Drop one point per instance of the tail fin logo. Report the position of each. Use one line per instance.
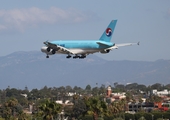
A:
(108, 32)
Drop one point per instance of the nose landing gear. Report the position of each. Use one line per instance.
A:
(47, 56)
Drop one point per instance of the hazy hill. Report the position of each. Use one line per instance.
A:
(33, 70)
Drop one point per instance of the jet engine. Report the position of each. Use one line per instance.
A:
(48, 50)
(105, 51)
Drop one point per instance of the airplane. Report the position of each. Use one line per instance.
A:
(82, 48)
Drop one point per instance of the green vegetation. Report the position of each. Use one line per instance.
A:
(85, 104)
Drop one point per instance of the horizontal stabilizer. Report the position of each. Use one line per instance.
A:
(116, 46)
(126, 44)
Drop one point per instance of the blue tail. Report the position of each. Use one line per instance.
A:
(107, 35)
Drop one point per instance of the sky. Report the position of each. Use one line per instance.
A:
(25, 25)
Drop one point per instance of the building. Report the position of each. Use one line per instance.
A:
(160, 93)
(109, 91)
(110, 97)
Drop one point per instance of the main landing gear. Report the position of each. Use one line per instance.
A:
(69, 56)
(76, 56)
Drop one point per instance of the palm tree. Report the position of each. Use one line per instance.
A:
(140, 101)
(22, 116)
(96, 107)
(117, 107)
(113, 108)
(78, 109)
(50, 109)
(123, 104)
(75, 98)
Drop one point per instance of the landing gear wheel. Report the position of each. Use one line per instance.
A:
(74, 57)
(47, 56)
(69, 56)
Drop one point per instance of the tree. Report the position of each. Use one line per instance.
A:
(128, 96)
(68, 88)
(50, 109)
(140, 102)
(79, 107)
(95, 91)
(113, 108)
(13, 92)
(118, 118)
(155, 98)
(88, 87)
(22, 116)
(142, 118)
(167, 86)
(131, 86)
(119, 87)
(115, 84)
(141, 87)
(102, 90)
(157, 86)
(123, 104)
(117, 107)
(96, 107)
(11, 108)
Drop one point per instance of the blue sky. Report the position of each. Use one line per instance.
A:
(25, 25)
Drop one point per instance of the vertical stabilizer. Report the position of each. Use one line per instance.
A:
(107, 35)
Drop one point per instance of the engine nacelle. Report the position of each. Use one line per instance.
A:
(105, 51)
(48, 51)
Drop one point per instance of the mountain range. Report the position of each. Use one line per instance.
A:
(31, 69)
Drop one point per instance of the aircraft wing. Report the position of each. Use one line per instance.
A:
(116, 46)
(58, 48)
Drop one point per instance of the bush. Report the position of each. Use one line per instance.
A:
(87, 117)
(129, 116)
(142, 118)
(109, 118)
(118, 119)
(159, 119)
